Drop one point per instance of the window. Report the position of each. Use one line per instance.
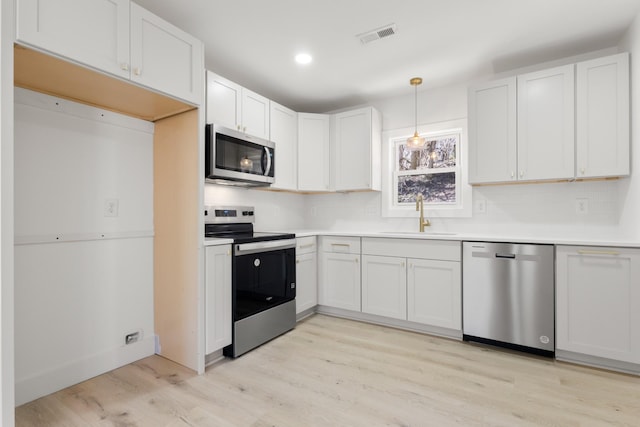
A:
(437, 171)
(431, 171)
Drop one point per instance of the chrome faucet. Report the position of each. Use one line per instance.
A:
(420, 207)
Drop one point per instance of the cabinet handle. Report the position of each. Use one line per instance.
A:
(228, 253)
(137, 71)
(310, 245)
(238, 127)
(591, 252)
(402, 265)
(297, 261)
(244, 129)
(124, 66)
(582, 171)
(521, 174)
(356, 260)
(341, 244)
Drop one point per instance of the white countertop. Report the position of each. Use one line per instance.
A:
(435, 235)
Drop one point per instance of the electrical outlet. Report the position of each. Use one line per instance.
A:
(131, 338)
(111, 207)
(480, 206)
(582, 206)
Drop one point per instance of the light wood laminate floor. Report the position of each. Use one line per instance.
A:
(336, 372)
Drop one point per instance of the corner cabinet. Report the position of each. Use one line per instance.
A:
(356, 148)
(235, 107)
(284, 133)
(218, 315)
(314, 161)
(597, 300)
(117, 37)
(340, 272)
(602, 123)
(306, 274)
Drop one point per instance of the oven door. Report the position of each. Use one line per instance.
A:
(264, 276)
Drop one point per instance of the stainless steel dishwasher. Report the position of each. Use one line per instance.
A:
(508, 295)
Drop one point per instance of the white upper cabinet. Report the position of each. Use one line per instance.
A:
(118, 37)
(164, 57)
(235, 107)
(284, 133)
(357, 150)
(492, 131)
(314, 139)
(546, 124)
(602, 123)
(92, 32)
(561, 123)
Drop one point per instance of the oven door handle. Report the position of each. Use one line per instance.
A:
(271, 245)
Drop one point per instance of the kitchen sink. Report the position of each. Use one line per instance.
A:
(425, 233)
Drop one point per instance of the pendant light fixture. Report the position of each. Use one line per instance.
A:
(416, 142)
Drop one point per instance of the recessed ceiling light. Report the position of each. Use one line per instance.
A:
(303, 58)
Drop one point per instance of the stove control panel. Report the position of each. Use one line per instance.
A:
(228, 214)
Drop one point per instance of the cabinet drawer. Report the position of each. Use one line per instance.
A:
(306, 245)
(445, 250)
(340, 244)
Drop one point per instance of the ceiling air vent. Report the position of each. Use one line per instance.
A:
(377, 34)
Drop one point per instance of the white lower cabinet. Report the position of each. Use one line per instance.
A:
(434, 293)
(306, 274)
(597, 300)
(340, 272)
(384, 286)
(218, 316)
(414, 280)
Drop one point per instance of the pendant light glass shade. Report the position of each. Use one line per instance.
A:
(416, 142)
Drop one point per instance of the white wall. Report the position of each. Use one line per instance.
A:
(274, 210)
(78, 294)
(6, 214)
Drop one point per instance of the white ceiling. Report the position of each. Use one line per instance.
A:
(253, 42)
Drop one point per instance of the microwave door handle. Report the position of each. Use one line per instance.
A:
(265, 154)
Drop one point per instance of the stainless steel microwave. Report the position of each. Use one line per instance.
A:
(235, 158)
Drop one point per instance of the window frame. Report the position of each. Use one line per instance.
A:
(463, 204)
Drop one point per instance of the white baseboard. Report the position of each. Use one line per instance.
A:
(57, 378)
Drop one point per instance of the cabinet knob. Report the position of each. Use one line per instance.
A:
(124, 66)
(137, 71)
(582, 171)
(356, 260)
(238, 127)
(521, 174)
(512, 174)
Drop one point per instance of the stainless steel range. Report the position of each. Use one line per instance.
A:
(263, 277)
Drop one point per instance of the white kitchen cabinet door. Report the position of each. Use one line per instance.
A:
(384, 286)
(232, 106)
(306, 282)
(218, 315)
(165, 58)
(340, 280)
(434, 293)
(602, 117)
(492, 132)
(356, 148)
(224, 102)
(314, 152)
(597, 300)
(546, 142)
(255, 114)
(92, 32)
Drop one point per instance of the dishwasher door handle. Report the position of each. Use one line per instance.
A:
(509, 256)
